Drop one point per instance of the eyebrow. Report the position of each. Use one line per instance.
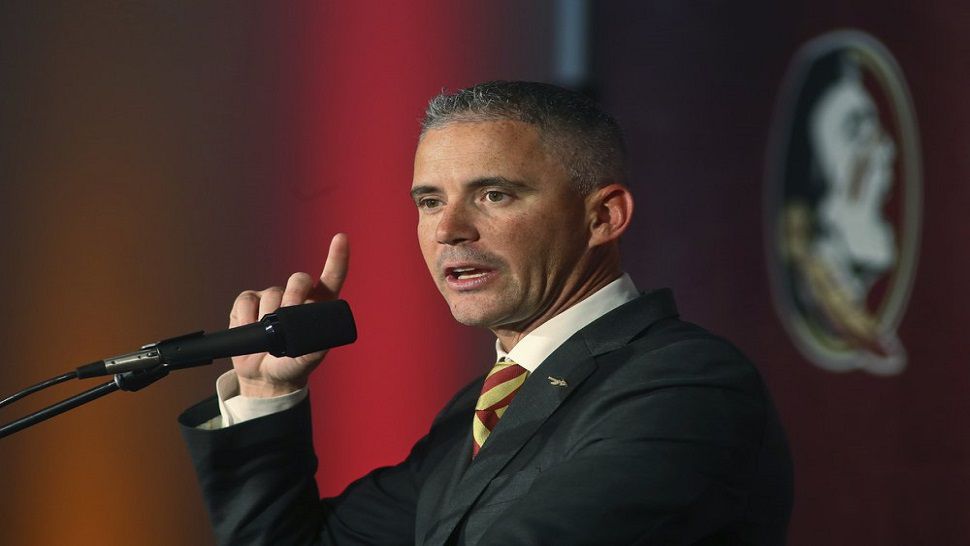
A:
(478, 183)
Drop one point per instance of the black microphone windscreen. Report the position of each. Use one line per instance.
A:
(316, 326)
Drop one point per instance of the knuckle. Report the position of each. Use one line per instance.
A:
(247, 295)
(245, 298)
(300, 278)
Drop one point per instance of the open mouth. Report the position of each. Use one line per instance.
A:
(468, 277)
(463, 273)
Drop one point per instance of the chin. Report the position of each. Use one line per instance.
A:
(469, 314)
(470, 318)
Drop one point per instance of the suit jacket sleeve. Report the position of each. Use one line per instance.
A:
(258, 482)
(257, 477)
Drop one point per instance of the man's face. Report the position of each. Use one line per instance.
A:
(500, 226)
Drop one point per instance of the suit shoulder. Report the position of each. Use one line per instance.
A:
(674, 333)
(675, 351)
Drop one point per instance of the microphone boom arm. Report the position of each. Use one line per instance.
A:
(128, 381)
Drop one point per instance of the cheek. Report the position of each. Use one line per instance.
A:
(534, 240)
(559, 223)
(426, 243)
(520, 232)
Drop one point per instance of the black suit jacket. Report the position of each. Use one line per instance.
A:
(662, 434)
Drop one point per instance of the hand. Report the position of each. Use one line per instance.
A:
(264, 375)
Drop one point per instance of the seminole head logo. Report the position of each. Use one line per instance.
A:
(843, 203)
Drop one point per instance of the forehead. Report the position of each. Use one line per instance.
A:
(512, 149)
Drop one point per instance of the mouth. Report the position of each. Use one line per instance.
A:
(468, 276)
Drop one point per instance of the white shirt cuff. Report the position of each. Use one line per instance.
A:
(235, 408)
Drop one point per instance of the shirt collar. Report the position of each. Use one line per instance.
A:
(538, 344)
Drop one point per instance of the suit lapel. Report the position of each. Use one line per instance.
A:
(441, 485)
(538, 398)
(534, 403)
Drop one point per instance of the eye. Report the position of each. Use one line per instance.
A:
(494, 196)
(429, 203)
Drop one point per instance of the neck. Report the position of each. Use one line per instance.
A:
(574, 291)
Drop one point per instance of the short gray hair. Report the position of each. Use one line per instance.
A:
(587, 141)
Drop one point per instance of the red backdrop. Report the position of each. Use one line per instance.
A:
(159, 158)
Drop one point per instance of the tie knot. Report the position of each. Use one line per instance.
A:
(503, 363)
(504, 380)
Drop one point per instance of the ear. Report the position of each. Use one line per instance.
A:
(609, 209)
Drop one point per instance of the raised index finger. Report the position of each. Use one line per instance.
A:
(334, 271)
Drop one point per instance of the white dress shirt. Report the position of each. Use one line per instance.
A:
(529, 353)
(533, 349)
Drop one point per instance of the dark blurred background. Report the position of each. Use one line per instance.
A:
(156, 158)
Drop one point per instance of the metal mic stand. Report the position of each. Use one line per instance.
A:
(128, 381)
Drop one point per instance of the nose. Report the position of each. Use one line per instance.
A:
(456, 225)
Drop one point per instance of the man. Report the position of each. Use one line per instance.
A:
(606, 421)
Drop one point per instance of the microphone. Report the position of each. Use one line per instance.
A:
(290, 331)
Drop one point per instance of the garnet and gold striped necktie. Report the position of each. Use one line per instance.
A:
(500, 387)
